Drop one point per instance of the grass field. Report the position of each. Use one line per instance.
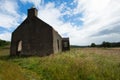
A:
(76, 64)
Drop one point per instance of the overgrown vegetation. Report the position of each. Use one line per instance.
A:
(4, 43)
(77, 64)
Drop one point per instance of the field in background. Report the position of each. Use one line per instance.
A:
(76, 64)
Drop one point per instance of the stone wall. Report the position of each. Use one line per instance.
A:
(57, 42)
(36, 37)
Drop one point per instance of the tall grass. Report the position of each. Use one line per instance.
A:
(11, 71)
(76, 64)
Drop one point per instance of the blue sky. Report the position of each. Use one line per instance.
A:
(84, 21)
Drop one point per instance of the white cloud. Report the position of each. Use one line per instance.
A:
(5, 36)
(9, 17)
(8, 13)
(36, 3)
(8, 7)
(98, 15)
(50, 14)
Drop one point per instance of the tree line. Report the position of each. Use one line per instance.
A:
(106, 44)
(3, 43)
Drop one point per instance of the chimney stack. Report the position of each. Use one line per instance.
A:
(32, 12)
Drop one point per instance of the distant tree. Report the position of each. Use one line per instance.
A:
(115, 44)
(3, 42)
(93, 45)
(106, 44)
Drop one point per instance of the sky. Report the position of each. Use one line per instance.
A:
(83, 21)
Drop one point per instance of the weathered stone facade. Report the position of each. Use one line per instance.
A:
(35, 37)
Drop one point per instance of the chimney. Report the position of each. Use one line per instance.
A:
(32, 12)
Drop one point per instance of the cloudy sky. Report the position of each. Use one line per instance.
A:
(84, 21)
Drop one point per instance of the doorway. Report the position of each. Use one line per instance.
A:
(19, 47)
(58, 44)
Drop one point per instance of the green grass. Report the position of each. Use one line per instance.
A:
(76, 64)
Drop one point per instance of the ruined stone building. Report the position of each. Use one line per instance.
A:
(35, 37)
